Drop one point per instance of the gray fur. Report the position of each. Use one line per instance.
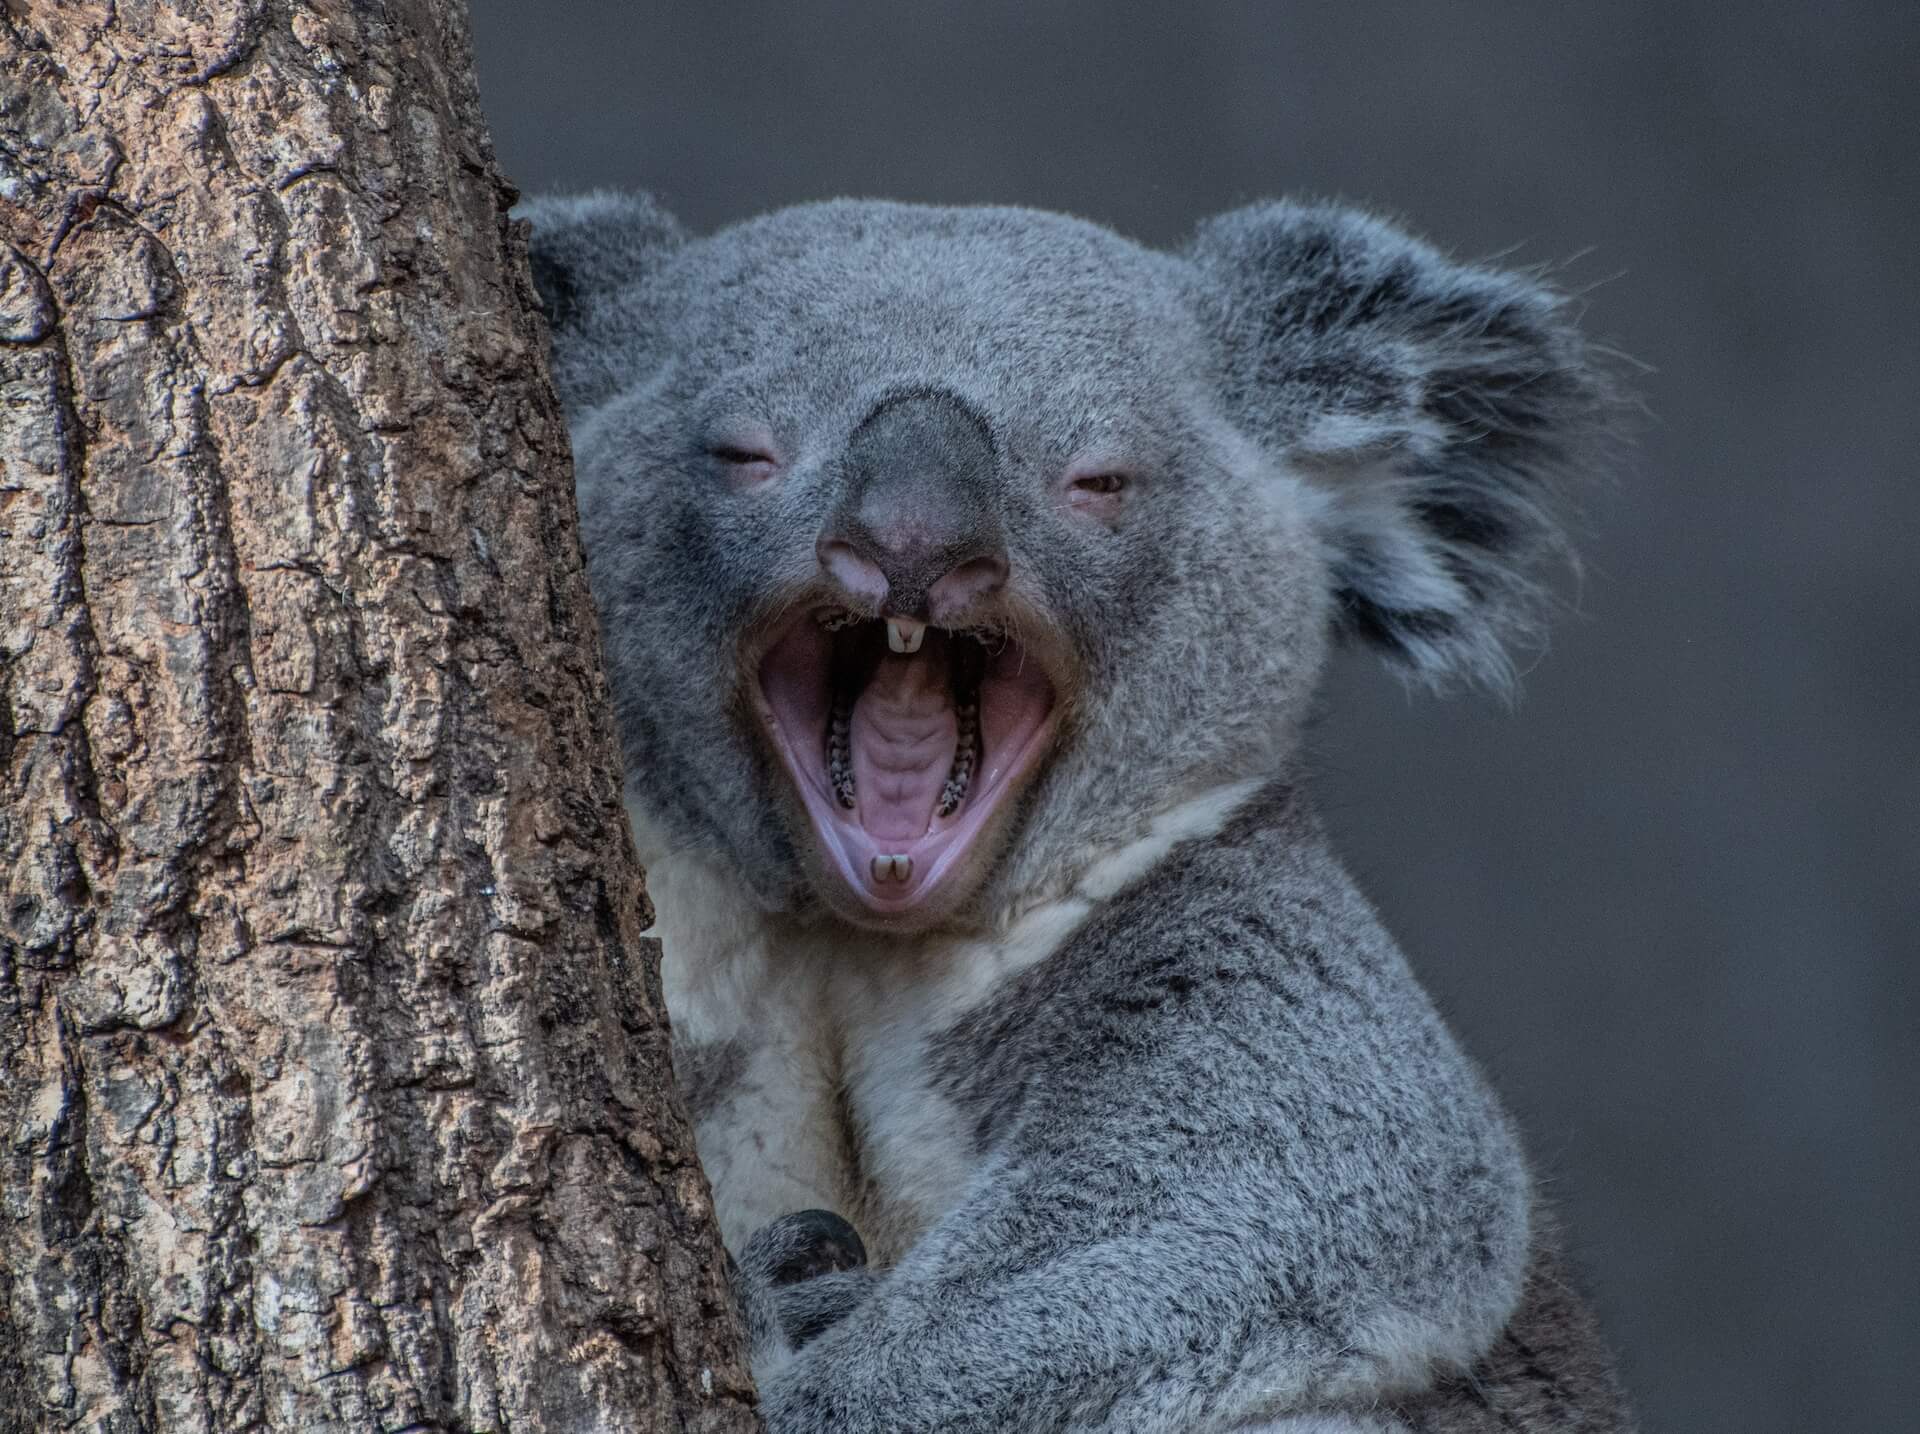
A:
(1217, 1161)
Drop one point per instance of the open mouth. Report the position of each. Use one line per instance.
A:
(903, 741)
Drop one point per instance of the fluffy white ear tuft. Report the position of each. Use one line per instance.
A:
(1443, 407)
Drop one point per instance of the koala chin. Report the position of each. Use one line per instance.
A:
(966, 577)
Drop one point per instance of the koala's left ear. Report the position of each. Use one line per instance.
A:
(591, 256)
(1440, 405)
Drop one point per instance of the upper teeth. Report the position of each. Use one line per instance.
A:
(904, 634)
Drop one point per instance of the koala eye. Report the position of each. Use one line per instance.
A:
(740, 457)
(746, 467)
(1097, 495)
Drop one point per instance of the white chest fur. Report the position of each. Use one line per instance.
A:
(826, 1033)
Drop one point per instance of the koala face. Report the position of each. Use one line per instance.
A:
(937, 549)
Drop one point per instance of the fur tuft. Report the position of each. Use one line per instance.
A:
(1443, 407)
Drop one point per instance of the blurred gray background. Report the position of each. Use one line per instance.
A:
(1673, 898)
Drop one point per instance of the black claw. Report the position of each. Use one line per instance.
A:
(809, 1243)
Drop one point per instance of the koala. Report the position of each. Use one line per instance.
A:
(966, 576)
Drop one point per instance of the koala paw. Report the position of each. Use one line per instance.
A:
(797, 1278)
(802, 1245)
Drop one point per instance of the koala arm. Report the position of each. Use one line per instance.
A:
(1168, 1327)
(1234, 1168)
(1550, 1370)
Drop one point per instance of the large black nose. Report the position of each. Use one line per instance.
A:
(917, 529)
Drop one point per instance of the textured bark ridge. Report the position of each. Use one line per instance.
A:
(333, 1087)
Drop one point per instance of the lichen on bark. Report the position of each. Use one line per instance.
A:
(334, 1090)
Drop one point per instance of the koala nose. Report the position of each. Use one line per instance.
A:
(893, 580)
(915, 531)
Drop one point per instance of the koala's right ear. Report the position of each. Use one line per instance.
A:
(591, 256)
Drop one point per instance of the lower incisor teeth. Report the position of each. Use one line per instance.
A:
(891, 868)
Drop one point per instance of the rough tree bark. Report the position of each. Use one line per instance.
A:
(333, 1085)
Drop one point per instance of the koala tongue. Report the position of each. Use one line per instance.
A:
(903, 734)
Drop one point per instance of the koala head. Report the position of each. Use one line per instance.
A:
(936, 550)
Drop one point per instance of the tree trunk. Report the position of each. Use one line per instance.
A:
(334, 1091)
